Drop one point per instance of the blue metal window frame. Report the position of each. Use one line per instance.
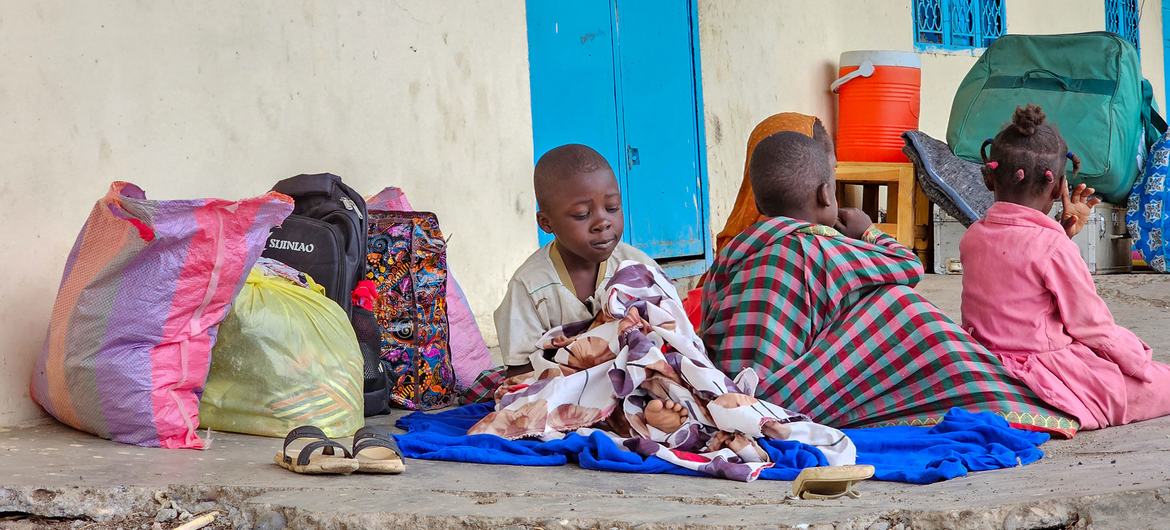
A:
(957, 25)
(1123, 17)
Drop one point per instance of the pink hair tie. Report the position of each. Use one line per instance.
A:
(992, 165)
(1048, 175)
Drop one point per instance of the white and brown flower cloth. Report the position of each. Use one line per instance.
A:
(601, 374)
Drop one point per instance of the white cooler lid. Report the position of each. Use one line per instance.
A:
(881, 58)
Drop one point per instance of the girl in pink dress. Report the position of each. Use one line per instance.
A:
(1029, 298)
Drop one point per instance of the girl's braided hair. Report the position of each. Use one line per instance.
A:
(1028, 152)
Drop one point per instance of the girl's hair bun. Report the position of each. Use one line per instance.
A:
(1027, 119)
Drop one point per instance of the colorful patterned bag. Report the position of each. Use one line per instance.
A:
(469, 353)
(144, 290)
(1148, 217)
(408, 263)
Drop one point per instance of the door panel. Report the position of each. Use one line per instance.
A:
(571, 62)
(658, 111)
(618, 75)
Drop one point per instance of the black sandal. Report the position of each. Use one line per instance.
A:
(375, 451)
(305, 460)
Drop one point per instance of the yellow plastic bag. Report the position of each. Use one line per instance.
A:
(286, 356)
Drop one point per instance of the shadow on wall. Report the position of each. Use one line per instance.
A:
(828, 75)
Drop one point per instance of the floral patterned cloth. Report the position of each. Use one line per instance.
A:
(1148, 216)
(602, 373)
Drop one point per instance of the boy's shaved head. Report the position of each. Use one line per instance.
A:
(564, 163)
(579, 201)
(786, 169)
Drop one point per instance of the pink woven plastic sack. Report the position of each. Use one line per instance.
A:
(469, 353)
(144, 289)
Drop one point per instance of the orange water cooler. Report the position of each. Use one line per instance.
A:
(878, 101)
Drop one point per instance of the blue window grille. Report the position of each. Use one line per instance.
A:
(1124, 17)
(957, 24)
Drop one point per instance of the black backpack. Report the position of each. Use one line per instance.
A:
(326, 237)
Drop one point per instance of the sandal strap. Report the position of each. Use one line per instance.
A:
(307, 451)
(376, 441)
(365, 433)
(313, 433)
(304, 431)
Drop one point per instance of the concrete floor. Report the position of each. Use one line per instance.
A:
(1116, 478)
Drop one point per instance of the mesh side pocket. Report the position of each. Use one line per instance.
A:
(377, 384)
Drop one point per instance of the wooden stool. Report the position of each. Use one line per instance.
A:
(907, 208)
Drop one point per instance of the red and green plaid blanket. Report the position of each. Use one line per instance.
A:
(835, 330)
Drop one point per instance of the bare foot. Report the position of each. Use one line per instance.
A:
(665, 415)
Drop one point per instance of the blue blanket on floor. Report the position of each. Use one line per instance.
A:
(961, 443)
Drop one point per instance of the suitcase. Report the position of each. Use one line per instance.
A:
(946, 233)
(1105, 246)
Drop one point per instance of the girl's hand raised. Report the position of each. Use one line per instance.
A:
(1077, 206)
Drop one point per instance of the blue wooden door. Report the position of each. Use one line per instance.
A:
(658, 111)
(620, 76)
(570, 53)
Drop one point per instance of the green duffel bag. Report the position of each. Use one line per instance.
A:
(1089, 84)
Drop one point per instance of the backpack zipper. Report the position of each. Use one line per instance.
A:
(351, 206)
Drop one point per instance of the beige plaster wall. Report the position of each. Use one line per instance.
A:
(223, 98)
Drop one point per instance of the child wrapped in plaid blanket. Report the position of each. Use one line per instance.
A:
(829, 318)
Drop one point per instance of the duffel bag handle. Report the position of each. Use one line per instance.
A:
(1030, 74)
(1152, 121)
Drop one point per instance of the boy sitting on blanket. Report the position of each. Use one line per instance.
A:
(578, 201)
(595, 337)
